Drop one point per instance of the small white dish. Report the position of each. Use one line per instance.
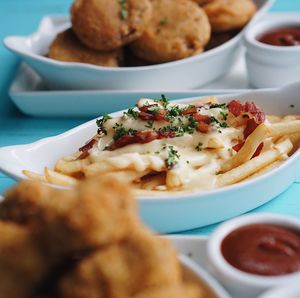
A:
(288, 291)
(267, 65)
(182, 211)
(237, 282)
(186, 73)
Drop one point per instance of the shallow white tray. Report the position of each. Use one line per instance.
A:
(176, 212)
(30, 94)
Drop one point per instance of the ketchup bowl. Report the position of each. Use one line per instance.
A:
(252, 253)
(275, 64)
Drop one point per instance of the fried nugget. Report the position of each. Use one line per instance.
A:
(107, 25)
(99, 211)
(22, 266)
(176, 31)
(67, 47)
(141, 261)
(226, 15)
(187, 290)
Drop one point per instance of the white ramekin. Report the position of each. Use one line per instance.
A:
(240, 283)
(271, 66)
(288, 291)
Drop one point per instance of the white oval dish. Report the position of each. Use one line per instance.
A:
(186, 73)
(239, 283)
(267, 65)
(288, 291)
(183, 211)
(203, 278)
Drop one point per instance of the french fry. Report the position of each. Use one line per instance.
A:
(284, 128)
(249, 148)
(256, 164)
(151, 182)
(59, 179)
(71, 167)
(128, 176)
(206, 99)
(34, 176)
(274, 118)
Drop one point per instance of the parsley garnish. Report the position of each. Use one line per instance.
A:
(224, 115)
(100, 123)
(150, 124)
(199, 147)
(174, 112)
(124, 11)
(163, 21)
(172, 159)
(218, 105)
(121, 131)
(219, 124)
(131, 113)
(163, 101)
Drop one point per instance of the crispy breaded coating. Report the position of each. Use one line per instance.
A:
(140, 262)
(226, 15)
(173, 291)
(176, 31)
(66, 47)
(107, 25)
(97, 212)
(22, 266)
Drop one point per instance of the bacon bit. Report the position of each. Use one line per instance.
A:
(250, 127)
(202, 127)
(235, 108)
(202, 118)
(88, 146)
(144, 137)
(189, 111)
(83, 155)
(239, 146)
(147, 114)
(166, 134)
(147, 107)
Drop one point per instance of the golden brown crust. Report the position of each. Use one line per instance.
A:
(175, 32)
(22, 265)
(138, 263)
(98, 212)
(67, 47)
(226, 15)
(99, 23)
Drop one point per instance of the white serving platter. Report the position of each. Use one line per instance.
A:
(30, 94)
(172, 213)
(185, 73)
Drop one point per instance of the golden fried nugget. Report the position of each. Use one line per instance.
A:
(226, 15)
(22, 266)
(122, 270)
(67, 47)
(107, 25)
(175, 32)
(99, 211)
(175, 291)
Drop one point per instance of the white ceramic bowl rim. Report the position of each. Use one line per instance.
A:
(216, 256)
(252, 32)
(191, 59)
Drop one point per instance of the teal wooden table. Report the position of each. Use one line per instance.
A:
(22, 17)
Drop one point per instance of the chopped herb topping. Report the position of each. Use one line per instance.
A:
(124, 11)
(218, 105)
(224, 115)
(174, 111)
(131, 113)
(173, 158)
(163, 101)
(121, 131)
(199, 147)
(100, 123)
(150, 124)
(163, 21)
(219, 124)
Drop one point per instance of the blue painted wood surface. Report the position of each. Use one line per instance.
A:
(22, 17)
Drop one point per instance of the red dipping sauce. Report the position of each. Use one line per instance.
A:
(286, 36)
(263, 249)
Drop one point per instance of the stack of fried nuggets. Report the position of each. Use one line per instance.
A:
(156, 31)
(83, 243)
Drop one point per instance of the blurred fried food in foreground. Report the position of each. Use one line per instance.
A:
(86, 242)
